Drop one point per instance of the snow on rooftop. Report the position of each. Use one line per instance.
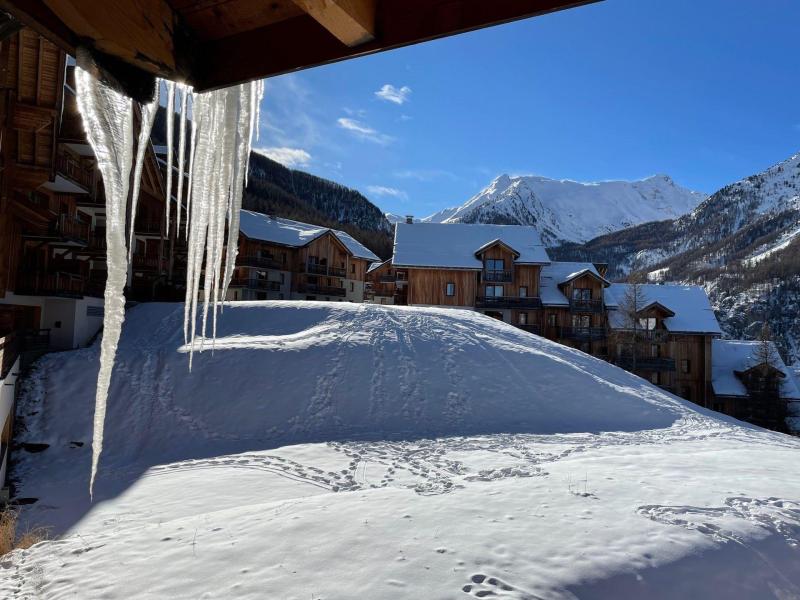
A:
(557, 273)
(693, 312)
(728, 356)
(277, 230)
(453, 246)
(375, 265)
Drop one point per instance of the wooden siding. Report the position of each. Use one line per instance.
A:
(427, 286)
(528, 276)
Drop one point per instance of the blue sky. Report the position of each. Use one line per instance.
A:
(703, 90)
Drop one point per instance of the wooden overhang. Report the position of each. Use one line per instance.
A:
(216, 43)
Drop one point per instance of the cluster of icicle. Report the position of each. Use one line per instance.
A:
(221, 127)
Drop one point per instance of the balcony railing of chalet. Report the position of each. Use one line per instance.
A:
(508, 302)
(40, 283)
(387, 279)
(323, 290)
(585, 306)
(260, 261)
(147, 227)
(645, 363)
(498, 276)
(256, 284)
(34, 339)
(317, 269)
(583, 334)
(656, 336)
(72, 169)
(72, 228)
(529, 327)
(149, 263)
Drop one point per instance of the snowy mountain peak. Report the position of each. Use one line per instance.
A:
(572, 211)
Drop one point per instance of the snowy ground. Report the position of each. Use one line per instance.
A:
(351, 451)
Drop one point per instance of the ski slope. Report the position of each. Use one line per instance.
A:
(333, 451)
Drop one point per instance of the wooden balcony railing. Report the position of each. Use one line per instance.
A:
(72, 169)
(320, 290)
(508, 302)
(585, 306)
(43, 283)
(645, 363)
(498, 276)
(260, 261)
(147, 227)
(317, 269)
(256, 284)
(582, 334)
(148, 263)
(655, 336)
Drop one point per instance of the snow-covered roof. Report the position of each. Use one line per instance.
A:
(453, 245)
(557, 273)
(693, 312)
(258, 226)
(63, 185)
(728, 356)
(375, 265)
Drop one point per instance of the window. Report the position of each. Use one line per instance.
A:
(523, 291)
(522, 318)
(654, 378)
(494, 291)
(494, 264)
(686, 367)
(352, 287)
(283, 278)
(581, 294)
(352, 268)
(235, 295)
(450, 289)
(654, 350)
(648, 323)
(551, 319)
(582, 321)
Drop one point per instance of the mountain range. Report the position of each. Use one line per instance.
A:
(571, 211)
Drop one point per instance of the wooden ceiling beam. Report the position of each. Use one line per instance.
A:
(352, 22)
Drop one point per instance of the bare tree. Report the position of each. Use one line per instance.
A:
(630, 306)
(765, 353)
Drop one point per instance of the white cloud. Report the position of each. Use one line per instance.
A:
(381, 190)
(425, 174)
(392, 94)
(288, 157)
(364, 131)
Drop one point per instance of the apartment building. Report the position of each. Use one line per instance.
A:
(281, 259)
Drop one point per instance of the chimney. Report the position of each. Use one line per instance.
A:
(409, 219)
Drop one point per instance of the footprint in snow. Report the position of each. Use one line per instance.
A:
(481, 586)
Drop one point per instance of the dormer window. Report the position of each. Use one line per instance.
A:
(494, 264)
(647, 323)
(581, 294)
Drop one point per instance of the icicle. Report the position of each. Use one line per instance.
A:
(148, 116)
(108, 122)
(181, 156)
(192, 143)
(223, 121)
(170, 132)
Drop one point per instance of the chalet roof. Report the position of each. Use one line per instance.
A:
(497, 242)
(375, 265)
(258, 226)
(693, 312)
(557, 273)
(729, 356)
(453, 245)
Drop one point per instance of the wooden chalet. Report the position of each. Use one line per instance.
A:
(751, 382)
(281, 259)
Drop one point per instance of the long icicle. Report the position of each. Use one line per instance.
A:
(192, 143)
(108, 122)
(170, 132)
(181, 156)
(148, 112)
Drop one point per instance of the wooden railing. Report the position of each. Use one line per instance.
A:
(323, 290)
(72, 228)
(590, 306)
(498, 276)
(317, 269)
(42, 283)
(645, 363)
(583, 334)
(508, 302)
(256, 284)
(260, 261)
(656, 336)
(72, 169)
(148, 263)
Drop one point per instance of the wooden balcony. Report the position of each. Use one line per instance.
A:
(320, 290)
(63, 228)
(585, 306)
(508, 302)
(256, 284)
(582, 334)
(498, 276)
(653, 336)
(147, 227)
(72, 169)
(260, 262)
(148, 263)
(43, 283)
(645, 363)
(317, 269)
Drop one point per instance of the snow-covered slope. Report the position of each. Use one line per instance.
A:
(455, 457)
(571, 211)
